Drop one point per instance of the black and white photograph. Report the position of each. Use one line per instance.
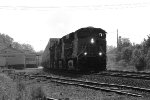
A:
(74, 50)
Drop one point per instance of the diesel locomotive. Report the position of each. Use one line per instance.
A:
(82, 50)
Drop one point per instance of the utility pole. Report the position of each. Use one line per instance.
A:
(117, 39)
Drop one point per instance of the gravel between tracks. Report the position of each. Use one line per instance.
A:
(118, 80)
(61, 91)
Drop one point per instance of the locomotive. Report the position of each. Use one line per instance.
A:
(82, 50)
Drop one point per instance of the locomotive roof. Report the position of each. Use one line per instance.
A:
(86, 30)
(90, 29)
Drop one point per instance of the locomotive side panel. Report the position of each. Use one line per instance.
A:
(53, 53)
(45, 57)
(48, 56)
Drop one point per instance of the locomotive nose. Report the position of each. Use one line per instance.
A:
(92, 41)
(100, 53)
(85, 53)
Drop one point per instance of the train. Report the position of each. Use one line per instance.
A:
(82, 51)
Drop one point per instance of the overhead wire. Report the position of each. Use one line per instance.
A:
(105, 6)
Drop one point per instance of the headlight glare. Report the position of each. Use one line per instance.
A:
(85, 53)
(92, 41)
(100, 53)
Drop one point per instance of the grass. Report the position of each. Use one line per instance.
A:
(37, 93)
(29, 92)
(32, 93)
(19, 89)
(121, 65)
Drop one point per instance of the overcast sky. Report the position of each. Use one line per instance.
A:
(35, 21)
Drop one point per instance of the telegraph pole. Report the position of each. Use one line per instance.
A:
(117, 39)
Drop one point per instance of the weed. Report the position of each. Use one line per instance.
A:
(37, 93)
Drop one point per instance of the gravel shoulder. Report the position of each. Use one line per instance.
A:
(60, 91)
(7, 88)
(29, 87)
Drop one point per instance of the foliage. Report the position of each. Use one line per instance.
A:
(9, 41)
(148, 59)
(123, 63)
(111, 49)
(6, 39)
(16, 45)
(123, 42)
(40, 52)
(27, 47)
(124, 50)
(21, 90)
(118, 56)
(138, 55)
(138, 59)
(37, 93)
(146, 45)
(127, 54)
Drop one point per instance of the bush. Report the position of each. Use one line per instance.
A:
(138, 59)
(140, 65)
(122, 63)
(148, 59)
(118, 56)
(21, 90)
(127, 54)
(37, 93)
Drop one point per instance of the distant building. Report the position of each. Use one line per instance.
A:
(30, 60)
(14, 58)
(2, 44)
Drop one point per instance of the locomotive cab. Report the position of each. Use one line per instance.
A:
(92, 50)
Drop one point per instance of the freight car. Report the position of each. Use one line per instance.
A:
(82, 50)
(14, 58)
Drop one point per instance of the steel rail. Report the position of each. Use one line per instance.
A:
(85, 84)
(96, 87)
(127, 75)
(96, 83)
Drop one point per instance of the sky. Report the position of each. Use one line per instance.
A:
(35, 21)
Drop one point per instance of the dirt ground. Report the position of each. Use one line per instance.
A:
(25, 89)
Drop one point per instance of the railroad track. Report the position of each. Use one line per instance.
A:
(136, 72)
(120, 89)
(127, 74)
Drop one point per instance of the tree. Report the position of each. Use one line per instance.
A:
(23, 47)
(40, 52)
(111, 49)
(17, 45)
(123, 42)
(146, 45)
(127, 53)
(124, 50)
(27, 47)
(138, 59)
(148, 59)
(7, 40)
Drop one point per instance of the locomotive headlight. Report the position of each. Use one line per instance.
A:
(92, 41)
(85, 53)
(100, 53)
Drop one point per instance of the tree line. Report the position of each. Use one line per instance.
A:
(6, 41)
(131, 53)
